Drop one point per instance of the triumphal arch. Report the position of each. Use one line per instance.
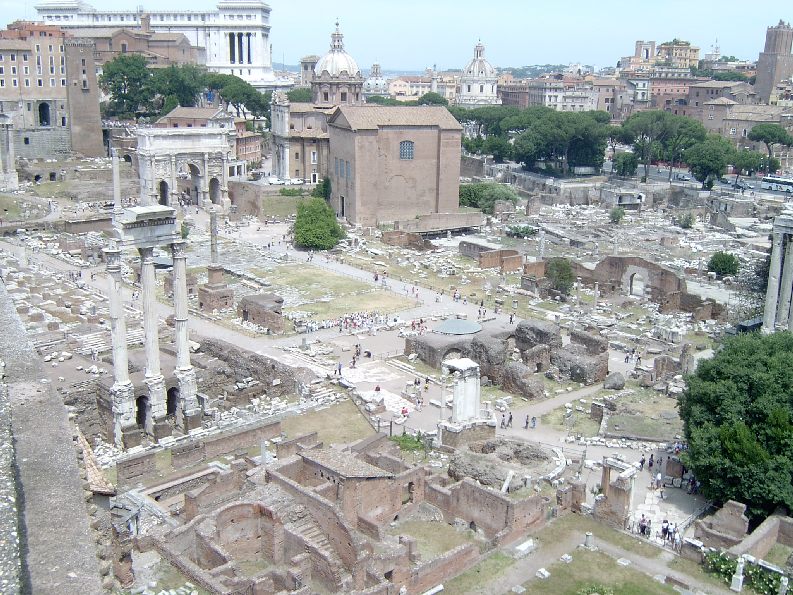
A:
(188, 164)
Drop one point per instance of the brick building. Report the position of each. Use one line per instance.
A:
(393, 163)
(702, 92)
(48, 86)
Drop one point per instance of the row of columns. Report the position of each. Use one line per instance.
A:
(123, 402)
(240, 48)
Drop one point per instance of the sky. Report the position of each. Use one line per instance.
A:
(415, 34)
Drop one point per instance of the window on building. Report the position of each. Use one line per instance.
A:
(344, 96)
(40, 82)
(406, 149)
(733, 131)
(27, 82)
(744, 133)
(13, 57)
(63, 82)
(2, 58)
(24, 57)
(2, 83)
(313, 157)
(26, 140)
(26, 69)
(123, 50)
(15, 84)
(710, 116)
(469, 88)
(38, 48)
(324, 96)
(297, 155)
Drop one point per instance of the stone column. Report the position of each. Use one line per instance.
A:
(117, 207)
(187, 411)
(172, 191)
(155, 419)
(597, 296)
(783, 309)
(213, 236)
(772, 294)
(542, 244)
(122, 392)
(205, 201)
(225, 203)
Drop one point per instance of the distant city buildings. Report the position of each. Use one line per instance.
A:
(775, 62)
(478, 84)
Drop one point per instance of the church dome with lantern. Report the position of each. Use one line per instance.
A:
(337, 78)
(479, 82)
(337, 62)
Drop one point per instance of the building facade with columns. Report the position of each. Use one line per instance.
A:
(235, 37)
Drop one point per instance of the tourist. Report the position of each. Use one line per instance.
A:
(509, 421)
(643, 526)
(533, 422)
(650, 464)
(377, 388)
(526, 427)
(641, 463)
(511, 318)
(664, 529)
(503, 421)
(658, 480)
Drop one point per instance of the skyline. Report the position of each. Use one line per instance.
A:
(413, 40)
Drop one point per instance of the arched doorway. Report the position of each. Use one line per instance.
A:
(172, 402)
(163, 192)
(141, 411)
(214, 191)
(128, 158)
(637, 285)
(44, 114)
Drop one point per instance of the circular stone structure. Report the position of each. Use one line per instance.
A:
(457, 326)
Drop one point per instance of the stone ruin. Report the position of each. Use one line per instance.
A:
(512, 357)
(320, 519)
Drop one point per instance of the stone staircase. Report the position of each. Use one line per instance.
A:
(315, 540)
(100, 341)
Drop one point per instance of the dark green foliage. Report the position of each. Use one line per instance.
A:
(322, 190)
(560, 274)
(708, 159)
(409, 442)
(184, 230)
(723, 264)
(316, 227)
(184, 82)
(626, 164)
(616, 215)
(760, 579)
(686, 220)
(291, 192)
(378, 100)
(770, 135)
(746, 161)
(432, 99)
(126, 79)
(520, 231)
(299, 95)
(484, 195)
(737, 411)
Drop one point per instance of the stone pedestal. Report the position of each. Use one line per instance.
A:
(188, 413)
(123, 404)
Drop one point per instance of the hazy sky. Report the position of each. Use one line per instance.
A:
(414, 34)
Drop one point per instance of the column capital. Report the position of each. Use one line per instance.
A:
(178, 249)
(146, 254)
(112, 258)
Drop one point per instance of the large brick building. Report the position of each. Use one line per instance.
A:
(48, 86)
(393, 163)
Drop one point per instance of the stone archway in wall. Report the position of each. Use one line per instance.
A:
(214, 191)
(189, 177)
(635, 281)
(189, 182)
(637, 285)
(163, 193)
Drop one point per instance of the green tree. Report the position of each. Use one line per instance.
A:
(746, 161)
(770, 135)
(126, 80)
(316, 227)
(560, 274)
(170, 104)
(686, 220)
(626, 164)
(708, 159)
(616, 215)
(432, 99)
(737, 410)
(646, 131)
(497, 146)
(484, 195)
(378, 100)
(724, 264)
(300, 95)
(680, 134)
(185, 82)
(322, 190)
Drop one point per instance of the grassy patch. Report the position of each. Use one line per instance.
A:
(646, 413)
(168, 577)
(779, 554)
(338, 424)
(559, 529)
(433, 539)
(595, 567)
(279, 207)
(12, 208)
(476, 578)
(577, 424)
(695, 571)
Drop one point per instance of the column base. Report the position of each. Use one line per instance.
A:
(188, 402)
(131, 436)
(161, 428)
(192, 420)
(123, 408)
(156, 407)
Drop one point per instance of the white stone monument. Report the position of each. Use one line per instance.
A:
(466, 405)
(778, 295)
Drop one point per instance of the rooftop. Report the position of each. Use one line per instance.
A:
(373, 117)
(343, 463)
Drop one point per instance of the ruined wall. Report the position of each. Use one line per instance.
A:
(289, 448)
(134, 467)
(404, 239)
(225, 486)
(574, 363)
(445, 566)
(472, 167)
(505, 260)
(593, 343)
(468, 434)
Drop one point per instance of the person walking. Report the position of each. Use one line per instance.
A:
(641, 463)
(509, 421)
(503, 421)
(526, 427)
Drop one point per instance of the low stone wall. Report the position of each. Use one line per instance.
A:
(9, 544)
(437, 222)
(404, 239)
(445, 566)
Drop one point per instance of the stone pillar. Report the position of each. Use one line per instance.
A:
(225, 203)
(173, 183)
(213, 236)
(542, 244)
(117, 206)
(783, 586)
(188, 413)
(597, 296)
(578, 291)
(783, 309)
(155, 418)
(772, 294)
(240, 53)
(205, 201)
(122, 392)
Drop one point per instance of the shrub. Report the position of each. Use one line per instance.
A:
(291, 192)
(616, 215)
(723, 264)
(686, 220)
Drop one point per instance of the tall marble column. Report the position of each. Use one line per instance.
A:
(205, 200)
(153, 375)
(188, 413)
(783, 310)
(117, 206)
(122, 392)
(772, 294)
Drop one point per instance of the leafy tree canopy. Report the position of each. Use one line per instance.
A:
(724, 264)
(708, 159)
(737, 411)
(770, 135)
(300, 95)
(559, 272)
(378, 100)
(126, 79)
(432, 99)
(626, 164)
(316, 227)
(484, 195)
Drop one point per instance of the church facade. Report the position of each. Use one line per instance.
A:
(478, 86)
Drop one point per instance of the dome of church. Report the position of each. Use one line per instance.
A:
(479, 67)
(337, 61)
(375, 84)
